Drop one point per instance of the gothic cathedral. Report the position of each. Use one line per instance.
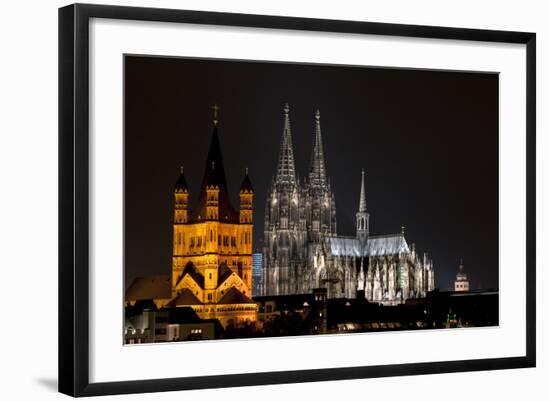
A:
(303, 251)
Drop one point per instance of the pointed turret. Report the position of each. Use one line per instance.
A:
(246, 200)
(317, 170)
(286, 171)
(181, 183)
(246, 196)
(246, 185)
(181, 195)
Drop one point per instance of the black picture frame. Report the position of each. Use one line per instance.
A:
(74, 198)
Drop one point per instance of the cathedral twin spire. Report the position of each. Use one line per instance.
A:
(317, 172)
(286, 170)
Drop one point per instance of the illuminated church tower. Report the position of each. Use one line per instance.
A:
(320, 209)
(285, 223)
(297, 217)
(212, 248)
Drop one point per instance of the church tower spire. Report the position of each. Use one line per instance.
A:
(214, 201)
(286, 171)
(317, 170)
(362, 215)
(363, 196)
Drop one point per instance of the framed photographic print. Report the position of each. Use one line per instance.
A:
(313, 199)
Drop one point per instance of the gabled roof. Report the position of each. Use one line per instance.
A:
(224, 272)
(151, 287)
(194, 273)
(234, 296)
(184, 298)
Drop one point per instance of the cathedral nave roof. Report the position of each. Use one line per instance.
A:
(375, 246)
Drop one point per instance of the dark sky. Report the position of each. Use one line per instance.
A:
(428, 141)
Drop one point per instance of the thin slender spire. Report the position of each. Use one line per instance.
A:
(363, 197)
(286, 171)
(317, 170)
(216, 109)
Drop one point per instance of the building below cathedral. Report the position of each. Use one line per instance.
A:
(212, 250)
(303, 251)
(257, 273)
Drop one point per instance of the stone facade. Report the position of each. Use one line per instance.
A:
(302, 250)
(212, 246)
(212, 250)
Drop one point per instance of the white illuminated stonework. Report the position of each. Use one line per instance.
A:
(303, 250)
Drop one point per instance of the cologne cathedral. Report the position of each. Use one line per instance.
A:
(303, 251)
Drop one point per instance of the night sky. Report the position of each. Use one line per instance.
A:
(428, 141)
